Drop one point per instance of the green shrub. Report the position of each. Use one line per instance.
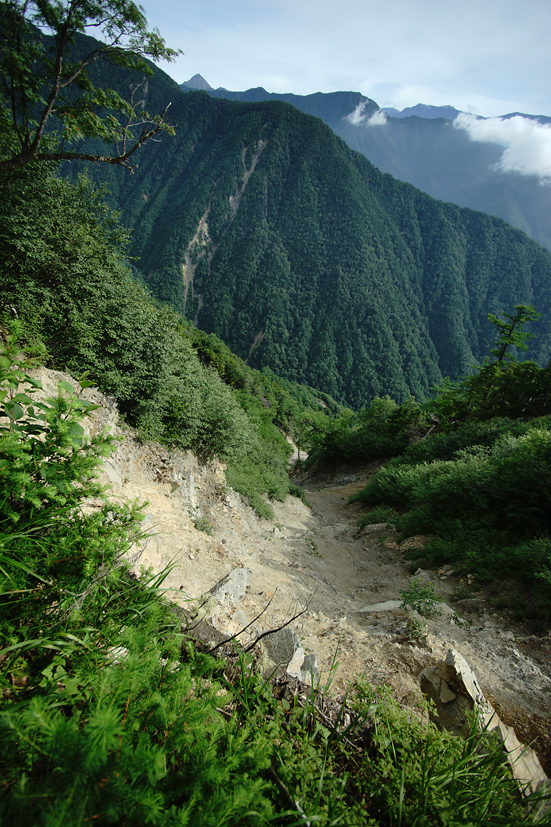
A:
(381, 514)
(486, 507)
(445, 445)
(381, 431)
(422, 598)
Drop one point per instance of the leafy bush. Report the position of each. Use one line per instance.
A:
(445, 444)
(380, 514)
(422, 598)
(380, 431)
(487, 507)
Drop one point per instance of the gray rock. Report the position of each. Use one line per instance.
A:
(233, 586)
(112, 473)
(455, 690)
(281, 646)
(285, 649)
(386, 606)
(422, 574)
(308, 672)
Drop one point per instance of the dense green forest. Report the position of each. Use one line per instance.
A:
(109, 714)
(262, 226)
(428, 153)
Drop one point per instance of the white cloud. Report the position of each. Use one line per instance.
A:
(359, 116)
(527, 143)
(377, 119)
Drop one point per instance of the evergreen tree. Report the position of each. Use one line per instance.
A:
(511, 332)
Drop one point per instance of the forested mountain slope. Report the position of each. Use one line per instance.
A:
(428, 152)
(444, 162)
(261, 225)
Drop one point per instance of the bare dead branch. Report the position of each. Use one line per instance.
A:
(278, 629)
(244, 629)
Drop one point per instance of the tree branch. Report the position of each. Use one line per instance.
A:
(35, 71)
(120, 159)
(244, 629)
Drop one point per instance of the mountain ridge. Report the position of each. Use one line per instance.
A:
(347, 279)
(261, 225)
(422, 148)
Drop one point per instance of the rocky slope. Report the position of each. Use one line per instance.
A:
(311, 561)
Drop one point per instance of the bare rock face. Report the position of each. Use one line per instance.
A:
(455, 690)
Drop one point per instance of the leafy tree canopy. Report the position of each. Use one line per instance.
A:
(46, 77)
(511, 332)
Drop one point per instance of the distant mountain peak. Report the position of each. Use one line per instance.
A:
(423, 110)
(197, 82)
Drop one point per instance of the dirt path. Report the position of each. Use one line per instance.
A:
(312, 560)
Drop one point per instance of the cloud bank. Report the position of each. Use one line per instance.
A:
(526, 142)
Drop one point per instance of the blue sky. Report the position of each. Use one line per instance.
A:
(490, 57)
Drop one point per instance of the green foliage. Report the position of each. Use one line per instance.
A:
(66, 278)
(503, 387)
(298, 411)
(417, 775)
(257, 475)
(47, 470)
(421, 597)
(107, 714)
(44, 77)
(511, 332)
(381, 514)
(516, 390)
(201, 523)
(380, 431)
(115, 724)
(64, 275)
(446, 444)
(486, 504)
